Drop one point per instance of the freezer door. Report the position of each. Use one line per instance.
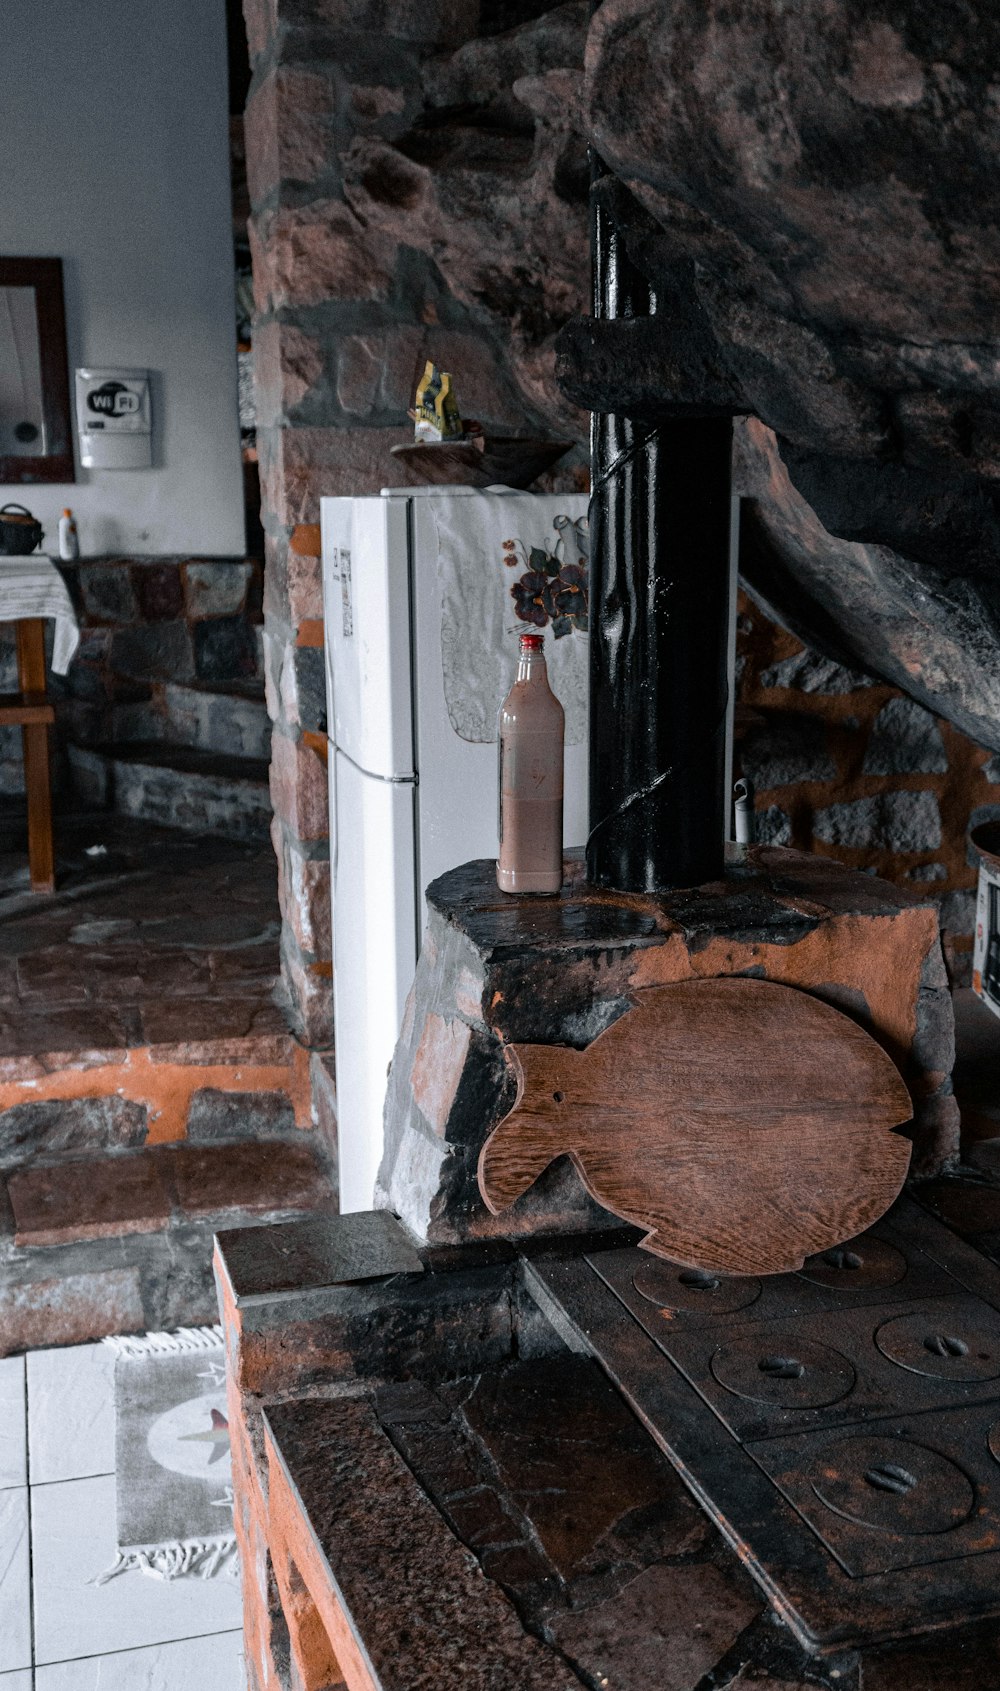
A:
(374, 958)
(457, 792)
(366, 603)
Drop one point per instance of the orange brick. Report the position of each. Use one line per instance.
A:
(309, 634)
(305, 540)
(317, 743)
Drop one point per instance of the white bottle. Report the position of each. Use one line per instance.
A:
(69, 540)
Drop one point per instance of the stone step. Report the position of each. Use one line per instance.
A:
(202, 792)
(124, 1242)
(146, 1190)
(229, 717)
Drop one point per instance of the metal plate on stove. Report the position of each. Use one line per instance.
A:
(664, 1297)
(804, 1375)
(863, 1265)
(878, 1383)
(892, 1485)
(901, 1494)
(671, 1288)
(944, 1344)
(854, 1516)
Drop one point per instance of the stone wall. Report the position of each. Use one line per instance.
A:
(418, 185)
(164, 643)
(416, 192)
(849, 767)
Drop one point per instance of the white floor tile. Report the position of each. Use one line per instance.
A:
(13, 1423)
(15, 1581)
(19, 1681)
(214, 1663)
(71, 1413)
(73, 1541)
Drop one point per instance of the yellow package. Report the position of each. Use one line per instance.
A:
(435, 413)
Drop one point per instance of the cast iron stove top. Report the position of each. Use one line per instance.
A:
(840, 1425)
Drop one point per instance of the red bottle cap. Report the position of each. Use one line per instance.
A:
(532, 642)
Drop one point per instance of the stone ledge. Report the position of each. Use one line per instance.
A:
(264, 1262)
(495, 971)
(148, 1190)
(357, 1524)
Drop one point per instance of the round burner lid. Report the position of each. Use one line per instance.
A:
(697, 1289)
(892, 1485)
(792, 1373)
(860, 1265)
(943, 1344)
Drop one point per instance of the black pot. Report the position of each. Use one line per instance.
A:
(20, 532)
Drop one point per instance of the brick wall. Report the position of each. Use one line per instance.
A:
(406, 204)
(852, 768)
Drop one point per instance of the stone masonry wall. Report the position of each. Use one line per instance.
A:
(155, 635)
(417, 192)
(851, 768)
(418, 187)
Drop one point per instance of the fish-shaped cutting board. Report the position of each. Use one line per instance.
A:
(745, 1124)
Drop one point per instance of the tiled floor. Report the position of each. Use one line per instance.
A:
(59, 1631)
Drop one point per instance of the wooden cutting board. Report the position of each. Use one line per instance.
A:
(745, 1124)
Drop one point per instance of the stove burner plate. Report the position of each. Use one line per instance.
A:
(861, 1266)
(802, 1376)
(892, 1485)
(943, 1350)
(692, 1289)
(901, 1495)
(840, 1425)
(849, 1373)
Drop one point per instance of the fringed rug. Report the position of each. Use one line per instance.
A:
(174, 1482)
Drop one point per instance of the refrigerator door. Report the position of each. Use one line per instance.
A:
(457, 794)
(366, 600)
(374, 958)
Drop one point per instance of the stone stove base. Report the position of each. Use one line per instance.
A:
(491, 1436)
(497, 971)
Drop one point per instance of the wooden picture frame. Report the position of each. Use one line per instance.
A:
(45, 277)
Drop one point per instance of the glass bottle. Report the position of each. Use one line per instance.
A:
(530, 729)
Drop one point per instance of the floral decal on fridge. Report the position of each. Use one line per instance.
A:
(553, 591)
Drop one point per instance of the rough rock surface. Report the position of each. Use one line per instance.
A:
(901, 822)
(905, 738)
(489, 177)
(818, 184)
(866, 605)
(831, 172)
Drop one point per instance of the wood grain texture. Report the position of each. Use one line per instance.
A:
(18, 708)
(35, 739)
(747, 1125)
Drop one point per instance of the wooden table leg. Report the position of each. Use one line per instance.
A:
(37, 772)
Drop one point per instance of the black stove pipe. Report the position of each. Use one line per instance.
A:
(659, 621)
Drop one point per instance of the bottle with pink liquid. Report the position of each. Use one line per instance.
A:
(530, 730)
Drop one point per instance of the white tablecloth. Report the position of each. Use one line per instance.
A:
(33, 587)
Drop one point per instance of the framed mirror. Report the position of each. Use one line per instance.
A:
(36, 439)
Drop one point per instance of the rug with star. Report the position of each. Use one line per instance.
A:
(174, 1482)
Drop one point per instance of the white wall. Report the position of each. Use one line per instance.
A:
(114, 156)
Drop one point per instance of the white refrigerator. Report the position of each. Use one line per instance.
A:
(411, 794)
